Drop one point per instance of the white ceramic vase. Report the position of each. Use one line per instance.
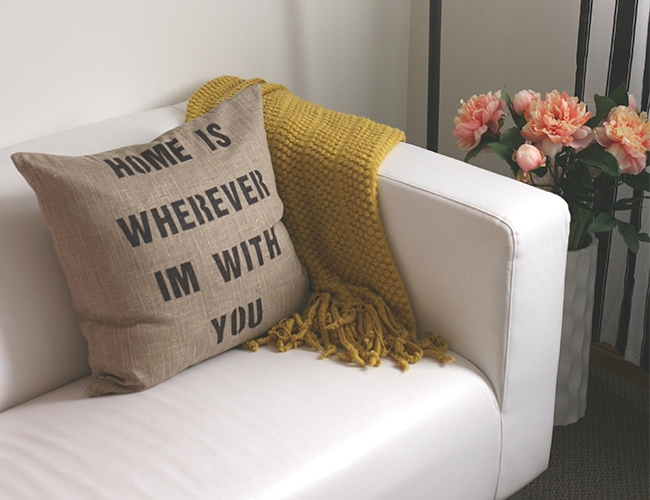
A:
(573, 371)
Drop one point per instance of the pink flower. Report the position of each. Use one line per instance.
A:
(522, 99)
(557, 121)
(626, 135)
(480, 114)
(528, 157)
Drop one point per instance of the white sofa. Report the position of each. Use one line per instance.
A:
(483, 259)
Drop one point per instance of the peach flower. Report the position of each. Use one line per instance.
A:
(626, 135)
(528, 157)
(557, 121)
(521, 101)
(476, 116)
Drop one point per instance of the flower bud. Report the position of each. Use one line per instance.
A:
(528, 157)
(631, 101)
(521, 101)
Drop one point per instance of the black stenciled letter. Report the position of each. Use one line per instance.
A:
(252, 320)
(178, 150)
(272, 243)
(230, 266)
(201, 211)
(237, 320)
(119, 167)
(222, 139)
(255, 242)
(216, 202)
(164, 220)
(219, 326)
(136, 228)
(262, 188)
(182, 215)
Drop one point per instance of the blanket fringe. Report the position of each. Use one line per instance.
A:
(354, 332)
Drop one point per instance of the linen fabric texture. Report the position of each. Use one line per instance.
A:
(174, 251)
(326, 164)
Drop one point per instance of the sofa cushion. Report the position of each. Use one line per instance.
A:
(262, 425)
(174, 250)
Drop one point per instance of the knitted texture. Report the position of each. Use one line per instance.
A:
(326, 165)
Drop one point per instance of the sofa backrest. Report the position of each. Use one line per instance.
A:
(41, 346)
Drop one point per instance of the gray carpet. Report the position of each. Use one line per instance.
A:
(605, 454)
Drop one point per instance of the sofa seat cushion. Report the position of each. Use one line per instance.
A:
(261, 425)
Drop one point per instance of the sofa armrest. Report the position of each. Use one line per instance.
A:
(483, 259)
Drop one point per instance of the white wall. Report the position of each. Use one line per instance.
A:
(487, 44)
(69, 62)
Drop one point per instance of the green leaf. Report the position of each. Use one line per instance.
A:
(512, 138)
(629, 234)
(506, 98)
(504, 152)
(472, 153)
(603, 223)
(581, 173)
(619, 95)
(603, 107)
(519, 120)
(596, 156)
(485, 140)
(639, 181)
(540, 171)
(630, 203)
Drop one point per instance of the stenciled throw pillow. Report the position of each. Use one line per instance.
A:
(174, 251)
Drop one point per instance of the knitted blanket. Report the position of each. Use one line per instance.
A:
(326, 164)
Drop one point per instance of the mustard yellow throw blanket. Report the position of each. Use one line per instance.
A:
(326, 165)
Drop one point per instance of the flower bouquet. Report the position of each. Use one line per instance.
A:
(560, 146)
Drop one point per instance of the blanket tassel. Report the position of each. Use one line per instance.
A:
(356, 333)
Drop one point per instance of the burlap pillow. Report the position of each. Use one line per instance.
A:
(174, 250)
